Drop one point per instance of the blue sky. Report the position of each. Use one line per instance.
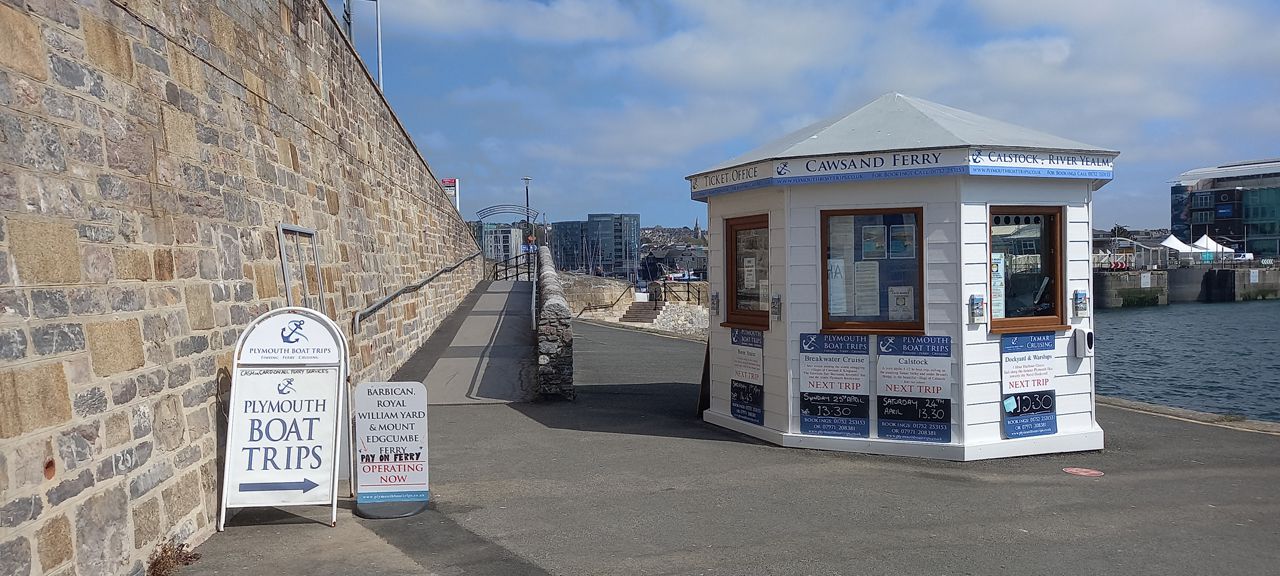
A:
(609, 104)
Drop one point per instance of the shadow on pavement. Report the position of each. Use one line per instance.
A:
(666, 409)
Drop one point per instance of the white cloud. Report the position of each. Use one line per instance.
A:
(641, 136)
(557, 21)
(735, 45)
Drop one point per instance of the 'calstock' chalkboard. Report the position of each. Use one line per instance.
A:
(911, 418)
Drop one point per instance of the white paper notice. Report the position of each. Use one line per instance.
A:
(902, 304)
(836, 287)
(749, 272)
(866, 288)
(997, 285)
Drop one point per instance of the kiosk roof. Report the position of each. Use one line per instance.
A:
(898, 122)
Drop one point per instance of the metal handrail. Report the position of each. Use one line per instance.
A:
(594, 307)
(369, 310)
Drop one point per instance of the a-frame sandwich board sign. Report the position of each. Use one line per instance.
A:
(288, 393)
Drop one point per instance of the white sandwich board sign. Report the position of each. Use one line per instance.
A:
(288, 387)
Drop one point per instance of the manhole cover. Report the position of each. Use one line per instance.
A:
(1087, 472)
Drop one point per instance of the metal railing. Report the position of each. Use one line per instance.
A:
(371, 309)
(594, 307)
(518, 267)
(682, 291)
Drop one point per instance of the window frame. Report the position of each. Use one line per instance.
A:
(1058, 322)
(830, 326)
(734, 318)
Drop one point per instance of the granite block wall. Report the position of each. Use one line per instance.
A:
(148, 150)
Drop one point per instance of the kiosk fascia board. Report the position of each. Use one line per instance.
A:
(955, 193)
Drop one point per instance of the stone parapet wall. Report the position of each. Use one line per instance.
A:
(148, 150)
(596, 297)
(1124, 289)
(555, 332)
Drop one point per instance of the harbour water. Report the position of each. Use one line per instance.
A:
(1220, 358)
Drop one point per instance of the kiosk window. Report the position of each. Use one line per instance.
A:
(1026, 268)
(747, 271)
(874, 270)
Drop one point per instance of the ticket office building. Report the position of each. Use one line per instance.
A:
(910, 279)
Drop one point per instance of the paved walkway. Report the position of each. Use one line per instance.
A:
(626, 480)
(483, 353)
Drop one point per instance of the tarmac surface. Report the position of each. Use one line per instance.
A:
(627, 480)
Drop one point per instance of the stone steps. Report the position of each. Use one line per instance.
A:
(643, 312)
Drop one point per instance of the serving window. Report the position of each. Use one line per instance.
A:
(747, 271)
(873, 271)
(1027, 268)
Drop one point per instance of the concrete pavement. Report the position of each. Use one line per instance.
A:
(626, 480)
(481, 354)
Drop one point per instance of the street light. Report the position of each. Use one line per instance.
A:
(377, 10)
(526, 202)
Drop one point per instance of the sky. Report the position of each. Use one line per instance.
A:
(609, 104)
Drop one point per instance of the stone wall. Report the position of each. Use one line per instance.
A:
(555, 332)
(1124, 289)
(148, 149)
(683, 318)
(596, 297)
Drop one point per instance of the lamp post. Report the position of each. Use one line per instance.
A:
(527, 230)
(346, 19)
(526, 202)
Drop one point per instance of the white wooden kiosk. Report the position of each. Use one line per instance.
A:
(909, 279)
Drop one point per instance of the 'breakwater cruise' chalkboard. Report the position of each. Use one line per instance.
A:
(1029, 401)
(746, 388)
(834, 375)
(913, 388)
(287, 392)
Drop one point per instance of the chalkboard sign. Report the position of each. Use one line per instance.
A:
(746, 401)
(1027, 385)
(834, 414)
(1030, 414)
(913, 418)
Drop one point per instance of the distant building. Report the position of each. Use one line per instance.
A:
(499, 241)
(568, 245)
(1238, 205)
(613, 245)
(659, 261)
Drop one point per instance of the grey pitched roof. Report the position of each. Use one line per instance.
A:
(898, 122)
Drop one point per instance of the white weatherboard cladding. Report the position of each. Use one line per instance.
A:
(1073, 377)
(955, 251)
(939, 197)
(776, 397)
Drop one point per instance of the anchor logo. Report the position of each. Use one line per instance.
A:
(285, 386)
(292, 333)
(782, 169)
(975, 157)
(810, 342)
(887, 344)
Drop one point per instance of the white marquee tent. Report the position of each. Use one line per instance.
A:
(1206, 244)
